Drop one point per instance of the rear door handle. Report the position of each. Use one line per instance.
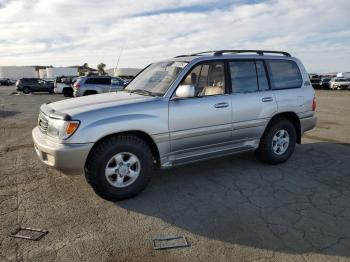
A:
(221, 105)
(267, 99)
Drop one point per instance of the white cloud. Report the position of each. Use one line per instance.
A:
(62, 32)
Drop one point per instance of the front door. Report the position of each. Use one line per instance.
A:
(204, 120)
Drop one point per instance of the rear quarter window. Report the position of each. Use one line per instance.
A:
(284, 74)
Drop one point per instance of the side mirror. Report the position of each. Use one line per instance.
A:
(184, 91)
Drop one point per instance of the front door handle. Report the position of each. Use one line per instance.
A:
(221, 105)
(267, 99)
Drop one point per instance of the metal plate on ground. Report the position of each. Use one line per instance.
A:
(29, 233)
(167, 242)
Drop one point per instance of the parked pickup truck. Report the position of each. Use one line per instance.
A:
(63, 85)
(178, 111)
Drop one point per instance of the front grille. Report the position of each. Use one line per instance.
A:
(43, 123)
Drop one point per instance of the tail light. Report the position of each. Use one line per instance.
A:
(77, 85)
(314, 104)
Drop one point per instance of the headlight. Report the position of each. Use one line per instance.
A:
(61, 129)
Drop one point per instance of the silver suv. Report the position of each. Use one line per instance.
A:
(91, 85)
(178, 111)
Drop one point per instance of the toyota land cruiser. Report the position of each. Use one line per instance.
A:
(178, 111)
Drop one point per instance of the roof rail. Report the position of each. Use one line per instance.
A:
(221, 52)
(259, 52)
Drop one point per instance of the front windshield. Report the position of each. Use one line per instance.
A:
(156, 79)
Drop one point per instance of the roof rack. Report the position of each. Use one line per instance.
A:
(259, 52)
(221, 52)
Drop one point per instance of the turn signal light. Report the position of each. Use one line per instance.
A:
(71, 127)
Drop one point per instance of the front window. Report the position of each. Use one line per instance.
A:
(208, 79)
(156, 79)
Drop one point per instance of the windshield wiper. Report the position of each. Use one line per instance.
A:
(144, 92)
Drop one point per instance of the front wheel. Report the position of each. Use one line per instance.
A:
(119, 167)
(278, 142)
(26, 90)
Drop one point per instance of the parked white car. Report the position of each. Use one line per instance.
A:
(339, 83)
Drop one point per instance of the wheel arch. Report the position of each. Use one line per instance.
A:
(293, 118)
(140, 134)
(90, 92)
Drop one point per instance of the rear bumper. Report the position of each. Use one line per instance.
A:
(68, 158)
(307, 123)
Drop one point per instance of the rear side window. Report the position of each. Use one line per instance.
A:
(98, 81)
(243, 76)
(284, 74)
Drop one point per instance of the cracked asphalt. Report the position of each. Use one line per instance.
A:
(231, 209)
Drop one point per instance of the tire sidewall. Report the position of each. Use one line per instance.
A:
(98, 179)
(289, 127)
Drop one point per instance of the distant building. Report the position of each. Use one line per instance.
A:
(128, 73)
(344, 74)
(17, 72)
(53, 72)
(42, 73)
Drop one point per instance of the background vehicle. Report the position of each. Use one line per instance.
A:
(185, 109)
(6, 82)
(91, 85)
(315, 81)
(325, 82)
(30, 85)
(63, 85)
(341, 83)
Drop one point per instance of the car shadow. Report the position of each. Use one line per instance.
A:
(296, 207)
(4, 113)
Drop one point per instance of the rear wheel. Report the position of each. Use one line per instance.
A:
(119, 167)
(278, 142)
(67, 92)
(26, 90)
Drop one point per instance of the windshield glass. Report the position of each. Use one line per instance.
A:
(156, 79)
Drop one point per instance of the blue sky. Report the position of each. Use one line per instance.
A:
(62, 32)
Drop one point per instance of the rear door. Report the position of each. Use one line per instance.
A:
(36, 85)
(253, 102)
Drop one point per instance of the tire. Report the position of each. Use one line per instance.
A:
(67, 92)
(26, 90)
(51, 91)
(266, 151)
(100, 157)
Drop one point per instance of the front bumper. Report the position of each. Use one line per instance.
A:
(307, 123)
(68, 158)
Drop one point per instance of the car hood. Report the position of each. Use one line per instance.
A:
(75, 106)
